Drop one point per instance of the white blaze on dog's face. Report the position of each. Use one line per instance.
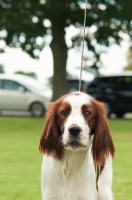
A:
(74, 122)
(78, 125)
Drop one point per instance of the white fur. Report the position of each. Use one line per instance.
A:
(74, 177)
(77, 118)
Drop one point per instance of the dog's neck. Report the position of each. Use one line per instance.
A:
(75, 161)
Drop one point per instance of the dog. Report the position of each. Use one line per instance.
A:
(78, 150)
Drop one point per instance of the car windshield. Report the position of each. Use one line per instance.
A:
(32, 84)
(35, 87)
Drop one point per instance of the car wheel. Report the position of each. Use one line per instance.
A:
(37, 109)
(108, 109)
(119, 115)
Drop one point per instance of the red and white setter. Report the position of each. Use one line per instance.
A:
(78, 150)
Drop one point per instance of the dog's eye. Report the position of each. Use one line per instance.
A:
(64, 112)
(86, 113)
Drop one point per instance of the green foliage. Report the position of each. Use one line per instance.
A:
(129, 60)
(24, 21)
(1, 68)
(27, 23)
(128, 67)
(31, 74)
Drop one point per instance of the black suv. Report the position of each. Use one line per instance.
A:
(115, 91)
(73, 85)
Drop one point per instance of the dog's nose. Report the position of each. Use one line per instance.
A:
(74, 130)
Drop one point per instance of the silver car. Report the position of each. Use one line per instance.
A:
(22, 93)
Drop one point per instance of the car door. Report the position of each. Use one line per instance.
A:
(13, 96)
(122, 88)
(127, 93)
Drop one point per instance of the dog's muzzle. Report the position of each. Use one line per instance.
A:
(74, 131)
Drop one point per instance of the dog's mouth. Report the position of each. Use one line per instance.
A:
(74, 144)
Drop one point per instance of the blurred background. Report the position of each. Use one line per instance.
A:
(40, 59)
(43, 39)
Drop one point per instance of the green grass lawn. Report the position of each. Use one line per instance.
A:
(20, 160)
(122, 135)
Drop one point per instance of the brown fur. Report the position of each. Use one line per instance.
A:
(50, 142)
(102, 142)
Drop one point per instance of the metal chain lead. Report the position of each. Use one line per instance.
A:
(85, 15)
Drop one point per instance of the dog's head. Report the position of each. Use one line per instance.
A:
(74, 123)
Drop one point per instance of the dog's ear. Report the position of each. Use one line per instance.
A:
(102, 142)
(50, 143)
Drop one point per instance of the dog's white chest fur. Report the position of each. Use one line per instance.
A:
(69, 179)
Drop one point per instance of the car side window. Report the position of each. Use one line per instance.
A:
(10, 85)
(0, 84)
(123, 82)
(128, 81)
(118, 81)
(105, 81)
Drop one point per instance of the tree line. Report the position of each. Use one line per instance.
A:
(24, 22)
